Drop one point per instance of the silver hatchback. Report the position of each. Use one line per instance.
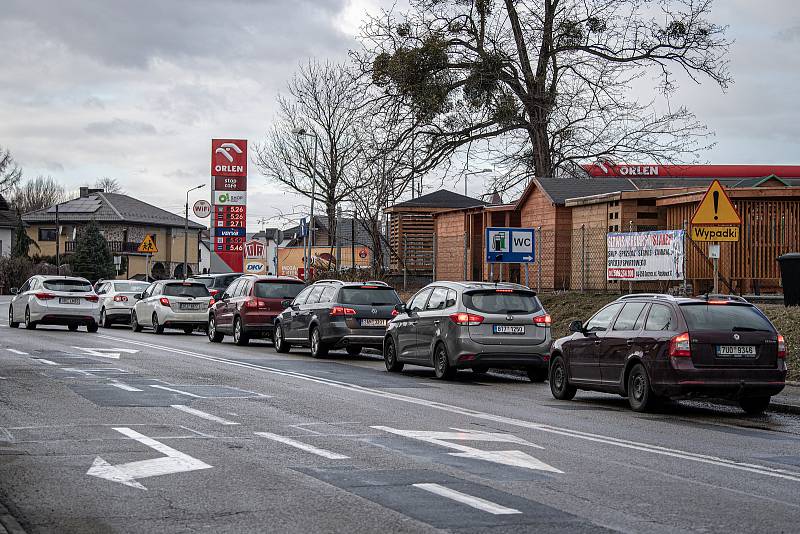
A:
(470, 325)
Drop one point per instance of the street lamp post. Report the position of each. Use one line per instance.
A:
(482, 171)
(186, 234)
(300, 132)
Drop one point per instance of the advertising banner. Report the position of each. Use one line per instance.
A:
(230, 198)
(641, 256)
(225, 183)
(228, 157)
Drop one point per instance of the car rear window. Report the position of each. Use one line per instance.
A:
(186, 289)
(222, 282)
(128, 287)
(208, 282)
(502, 301)
(76, 286)
(369, 296)
(278, 290)
(725, 317)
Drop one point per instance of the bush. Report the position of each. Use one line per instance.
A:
(14, 271)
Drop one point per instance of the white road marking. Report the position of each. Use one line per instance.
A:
(785, 474)
(106, 353)
(513, 458)
(303, 446)
(178, 391)
(124, 387)
(172, 462)
(46, 362)
(475, 502)
(19, 352)
(204, 415)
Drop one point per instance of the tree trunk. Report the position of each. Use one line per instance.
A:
(377, 249)
(330, 210)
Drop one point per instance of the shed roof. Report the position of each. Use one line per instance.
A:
(442, 198)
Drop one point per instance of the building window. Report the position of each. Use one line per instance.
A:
(47, 234)
(647, 215)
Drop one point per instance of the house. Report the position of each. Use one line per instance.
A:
(8, 224)
(124, 221)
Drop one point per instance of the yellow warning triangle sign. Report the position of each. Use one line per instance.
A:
(148, 246)
(716, 208)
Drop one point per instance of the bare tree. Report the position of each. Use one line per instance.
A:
(543, 84)
(10, 173)
(109, 185)
(324, 101)
(39, 193)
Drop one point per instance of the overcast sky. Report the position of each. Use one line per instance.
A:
(136, 90)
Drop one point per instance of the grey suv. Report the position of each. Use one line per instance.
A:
(332, 314)
(474, 325)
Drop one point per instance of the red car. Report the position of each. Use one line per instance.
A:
(248, 307)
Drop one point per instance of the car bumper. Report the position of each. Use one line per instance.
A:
(184, 319)
(465, 353)
(340, 335)
(721, 383)
(66, 319)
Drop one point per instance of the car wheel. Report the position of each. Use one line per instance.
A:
(91, 327)
(754, 405)
(441, 363)
(30, 325)
(559, 381)
(318, 347)
(537, 374)
(353, 350)
(214, 336)
(278, 340)
(11, 322)
(135, 326)
(480, 370)
(157, 328)
(104, 322)
(390, 357)
(239, 337)
(640, 395)
(72, 327)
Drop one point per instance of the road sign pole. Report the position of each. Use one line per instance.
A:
(716, 275)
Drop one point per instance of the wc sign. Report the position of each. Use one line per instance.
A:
(510, 245)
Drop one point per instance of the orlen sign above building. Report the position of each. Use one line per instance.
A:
(228, 157)
(604, 169)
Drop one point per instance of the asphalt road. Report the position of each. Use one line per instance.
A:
(124, 432)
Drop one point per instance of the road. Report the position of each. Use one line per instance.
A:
(124, 432)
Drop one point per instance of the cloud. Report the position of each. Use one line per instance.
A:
(120, 127)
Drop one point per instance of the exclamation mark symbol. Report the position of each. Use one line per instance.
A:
(716, 204)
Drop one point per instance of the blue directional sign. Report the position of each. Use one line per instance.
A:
(510, 245)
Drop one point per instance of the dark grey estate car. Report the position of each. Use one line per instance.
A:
(332, 314)
(470, 325)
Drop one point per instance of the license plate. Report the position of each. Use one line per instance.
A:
(373, 322)
(190, 306)
(64, 300)
(508, 329)
(736, 351)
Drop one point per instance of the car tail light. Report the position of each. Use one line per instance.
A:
(164, 301)
(339, 311)
(254, 304)
(213, 292)
(680, 347)
(120, 298)
(45, 296)
(466, 319)
(93, 298)
(395, 313)
(543, 320)
(718, 302)
(210, 303)
(781, 347)
(503, 290)
(369, 287)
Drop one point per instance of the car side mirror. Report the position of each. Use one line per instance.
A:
(576, 326)
(14, 291)
(401, 307)
(138, 296)
(285, 304)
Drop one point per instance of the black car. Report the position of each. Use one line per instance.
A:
(332, 314)
(216, 283)
(647, 347)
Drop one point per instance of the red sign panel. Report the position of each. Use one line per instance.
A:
(230, 216)
(230, 183)
(228, 157)
(254, 249)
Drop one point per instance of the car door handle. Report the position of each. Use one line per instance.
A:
(414, 323)
(596, 341)
(629, 342)
(436, 322)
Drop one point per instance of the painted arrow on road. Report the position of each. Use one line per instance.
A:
(514, 458)
(107, 353)
(127, 474)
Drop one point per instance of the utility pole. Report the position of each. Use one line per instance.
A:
(186, 234)
(58, 243)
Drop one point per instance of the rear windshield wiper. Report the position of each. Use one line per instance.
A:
(747, 329)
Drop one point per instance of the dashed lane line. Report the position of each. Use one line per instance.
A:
(18, 352)
(470, 500)
(46, 362)
(763, 470)
(203, 415)
(302, 446)
(178, 391)
(125, 387)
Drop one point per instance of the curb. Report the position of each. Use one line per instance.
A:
(783, 408)
(8, 524)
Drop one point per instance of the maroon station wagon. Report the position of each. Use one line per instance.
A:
(248, 307)
(648, 346)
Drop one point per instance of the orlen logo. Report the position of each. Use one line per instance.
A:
(229, 157)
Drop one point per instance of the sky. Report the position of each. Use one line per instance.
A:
(136, 90)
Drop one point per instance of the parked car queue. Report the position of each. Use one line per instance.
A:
(645, 347)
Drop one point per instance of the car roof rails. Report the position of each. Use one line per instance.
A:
(377, 283)
(720, 296)
(647, 296)
(330, 280)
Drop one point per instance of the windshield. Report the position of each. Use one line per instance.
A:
(369, 296)
(75, 286)
(186, 289)
(492, 301)
(130, 287)
(278, 290)
(725, 317)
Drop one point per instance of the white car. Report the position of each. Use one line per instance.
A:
(58, 300)
(172, 304)
(116, 300)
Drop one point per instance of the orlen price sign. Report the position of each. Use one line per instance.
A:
(228, 157)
